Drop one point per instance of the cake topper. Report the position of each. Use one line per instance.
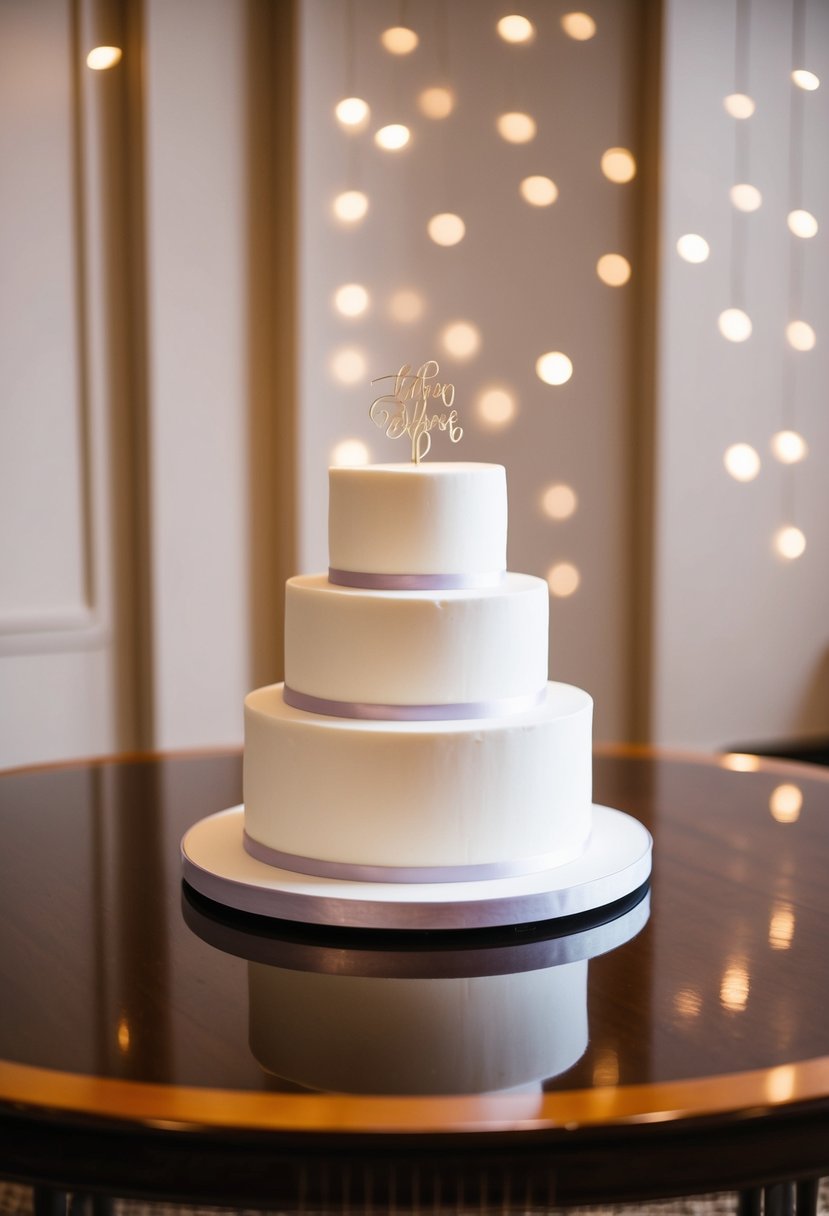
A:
(404, 410)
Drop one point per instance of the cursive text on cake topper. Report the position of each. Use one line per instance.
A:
(405, 410)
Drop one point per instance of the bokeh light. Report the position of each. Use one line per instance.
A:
(461, 339)
(734, 324)
(742, 461)
(393, 137)
(740, 762)
(789, 447)
(399, 40)
(786, 802)
(350, 452)
(735, 987)
(579, 26)
(123, 1034)
(350, 206)
(446, 228)
(800, 335)
(739, 105)
(618, 165)
(351, 300)
(688, 1002)
(496, 407)
(692, 247)
(606, 1067)
(516, 127)
(348, 365)
(780, 1084)
(515, 28)
(406, 306)
(789, 542)
(554, 367)
(352, 112)
(745, 197)
(802, 223)
(539, 191)
(559, 501)
(436, 102)
(805, 79)
(102, 57)
(613, 269)
(781, 926)
(563, 579)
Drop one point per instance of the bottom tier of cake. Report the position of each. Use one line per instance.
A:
(423, 801)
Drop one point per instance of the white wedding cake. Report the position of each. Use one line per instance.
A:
(416, 738)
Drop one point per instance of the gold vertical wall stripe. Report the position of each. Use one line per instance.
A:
(111, 239)
(643, 406)
(136, 370)
(91, 573)
(272, 331)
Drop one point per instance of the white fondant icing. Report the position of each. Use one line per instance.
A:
(416, 647)
(419, 793)
(362, 1034)
(425, 518)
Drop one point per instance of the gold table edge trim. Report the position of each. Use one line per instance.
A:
(173, 1106)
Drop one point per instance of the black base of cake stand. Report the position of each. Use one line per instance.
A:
(615, 864)
(430, 955)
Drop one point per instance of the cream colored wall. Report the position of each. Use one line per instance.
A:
(145, 449)
(525, 276)
(219, 302)
(58, 660)
(197, 201)
(741, 637)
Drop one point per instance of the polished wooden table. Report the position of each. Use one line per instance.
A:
(126, 1060)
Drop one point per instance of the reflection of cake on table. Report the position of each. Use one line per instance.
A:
(413, 1035)
(416, 737)
(416, 1015)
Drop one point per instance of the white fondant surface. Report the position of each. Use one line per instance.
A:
(430, 518)
(614, 864)
(361, 1034)
(416, 647)
(419, 793)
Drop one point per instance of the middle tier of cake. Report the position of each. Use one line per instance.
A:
(433, 648)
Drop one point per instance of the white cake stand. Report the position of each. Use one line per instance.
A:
(616, 862)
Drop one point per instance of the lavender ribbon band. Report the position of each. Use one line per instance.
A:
(499, 707)
(414, 582)
(350, 872)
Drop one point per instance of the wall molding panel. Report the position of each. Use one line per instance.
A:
(56, 635)
(60, 693)
(51, 537)
(147, 381)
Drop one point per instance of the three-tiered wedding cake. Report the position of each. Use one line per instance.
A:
(416, 738)
(417, 770)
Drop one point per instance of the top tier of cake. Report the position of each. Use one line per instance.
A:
(418, 519)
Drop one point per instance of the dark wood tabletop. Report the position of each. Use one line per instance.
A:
(131, 1010)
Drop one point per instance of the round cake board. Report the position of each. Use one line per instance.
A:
(616, 862)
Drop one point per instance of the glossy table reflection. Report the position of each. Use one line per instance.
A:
(150, 1044)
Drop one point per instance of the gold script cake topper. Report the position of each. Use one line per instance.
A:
(404, 411)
